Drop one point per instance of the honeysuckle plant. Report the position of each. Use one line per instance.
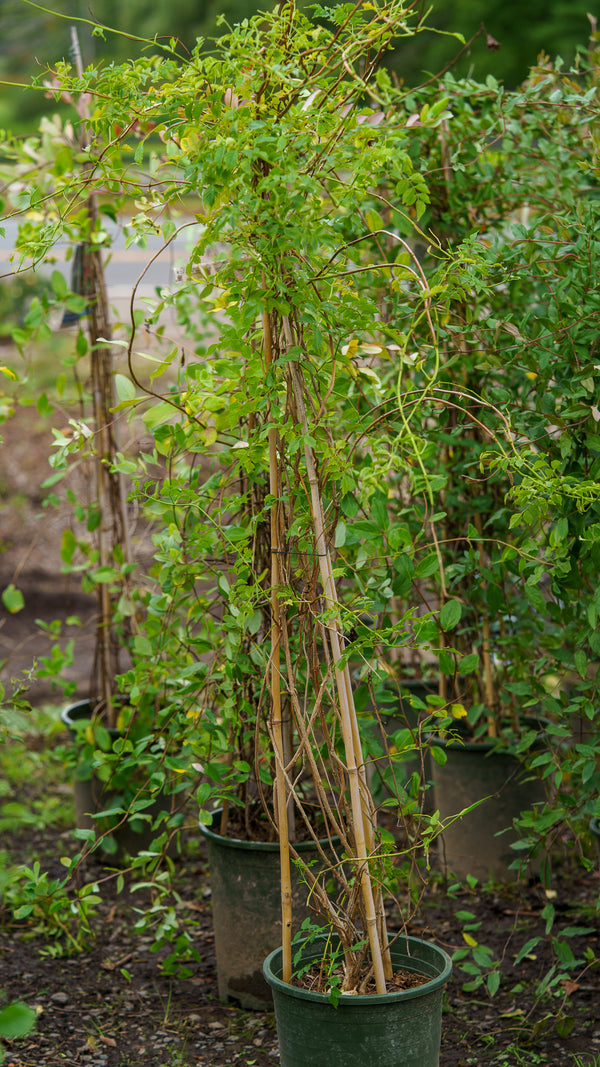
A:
(46, 189)
(516, 536)
(282, 418)
(493, 177)
(125, 732)
(277, 429)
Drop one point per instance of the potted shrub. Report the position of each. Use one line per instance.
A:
(59, 166)
(278, 136)
(508, 600)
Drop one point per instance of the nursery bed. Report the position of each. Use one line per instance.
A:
(110, 1006)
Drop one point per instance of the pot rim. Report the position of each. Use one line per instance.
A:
(483, 746)
(347, 1002)
(71, 719)
(264, 846)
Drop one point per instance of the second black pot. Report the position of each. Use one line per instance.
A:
(246, 910)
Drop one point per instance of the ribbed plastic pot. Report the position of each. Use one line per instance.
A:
(89, 792)
(479, 771)
(401, 1029)
(246, 910)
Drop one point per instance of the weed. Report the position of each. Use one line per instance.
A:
(515, 1058)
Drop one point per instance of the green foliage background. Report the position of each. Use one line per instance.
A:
(32, 38)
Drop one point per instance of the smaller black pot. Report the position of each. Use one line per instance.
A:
(246, 909)
(483, 774)
(119, 838)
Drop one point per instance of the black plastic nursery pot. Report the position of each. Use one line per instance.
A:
(479, 772)
(400, 1029)
(92, 796)
(246, 910)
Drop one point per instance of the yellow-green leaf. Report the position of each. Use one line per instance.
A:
(458, 711)
(13, 599)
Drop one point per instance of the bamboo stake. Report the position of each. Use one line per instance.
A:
(488, 672)
(281, 806)
(110, 490)
(348, 712)
(97, 327)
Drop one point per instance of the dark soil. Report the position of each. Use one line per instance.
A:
(312, 979)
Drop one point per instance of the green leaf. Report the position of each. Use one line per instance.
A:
(159, 414)
(450, 615)
(103, 738)
(59, 285)
(125, 388)
(223, 585)
(439, 755)
(446, 662)
(105, 574)
(564, 1025)
(428, 566)
(24, 911)
(494, 597)
(13, 599)
(340, 534)
(254, 622)
(535, 598)
(468, 664)
(142, 645)
(63, 161)
(16, 1020)
(379, 510)
(581, 662)
(493, 982)
(528, 947)
(43, 405)
(81, 344)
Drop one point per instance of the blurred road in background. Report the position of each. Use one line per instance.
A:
(154, 265)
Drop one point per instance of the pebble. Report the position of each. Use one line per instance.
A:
(60, 998)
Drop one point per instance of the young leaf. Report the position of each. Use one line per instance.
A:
(124, 387)
(13, 599)
(450, 615)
